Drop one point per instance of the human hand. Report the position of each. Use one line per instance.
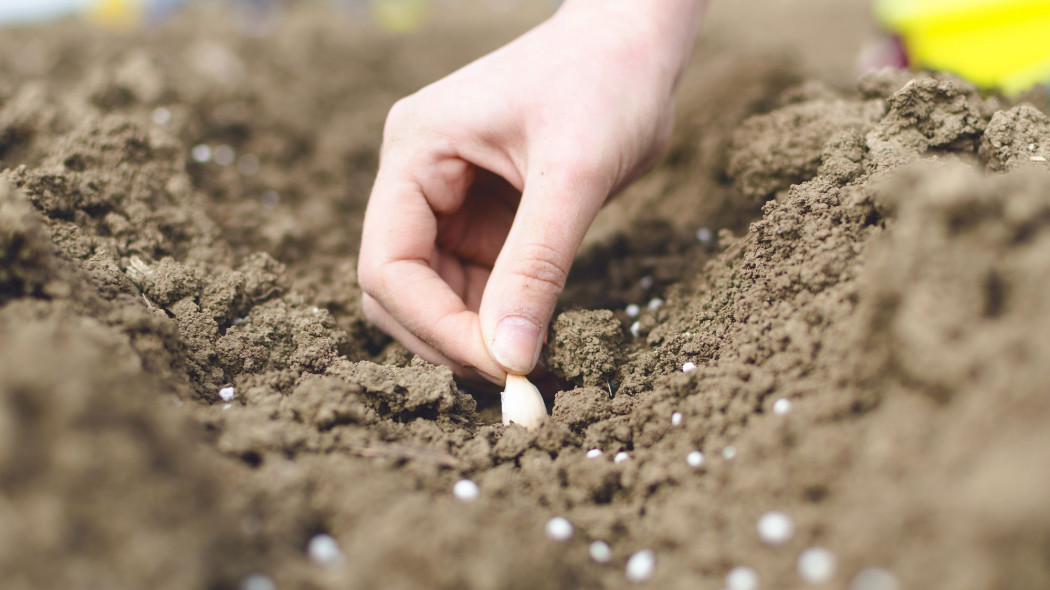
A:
(490, 177)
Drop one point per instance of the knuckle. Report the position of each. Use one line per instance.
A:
(584, 163)
(541, 268)
(400, 117)
(583, 169)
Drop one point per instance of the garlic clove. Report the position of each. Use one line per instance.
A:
(522, 403)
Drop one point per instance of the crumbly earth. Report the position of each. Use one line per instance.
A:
(583, 346)
(879, 255)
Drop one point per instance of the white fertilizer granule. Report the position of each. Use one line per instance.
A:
(324, 550)
(695, 459)
(465, 490)
(781, 406)
(600, 551)
(816, 565)
(640, 566)
(775, 528)
(558, 529)
(741, 578)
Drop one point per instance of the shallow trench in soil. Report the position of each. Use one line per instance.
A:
(855, 272)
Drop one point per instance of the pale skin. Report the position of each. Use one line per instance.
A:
(490, 177)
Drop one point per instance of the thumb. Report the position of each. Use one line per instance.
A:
(530, 272)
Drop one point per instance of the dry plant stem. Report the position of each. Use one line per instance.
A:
(522, 403)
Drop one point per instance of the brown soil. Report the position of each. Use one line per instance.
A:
(878, 255)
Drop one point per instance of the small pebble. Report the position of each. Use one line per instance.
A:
(465, 490)
(632, 310)
(655, 303)
(689, 366)
(621, 457)
(558, 529)
(600, 551)
(248, 164)
(224, 155)
(741, 578)
(227, 406)
(874, 578)
(640, 566)
(226, 393)
(729, 452)
(161, 116)
(775, 528)
(201, 153)
(646, 282)
(816, 565)
(258, 582)
(270, 199)
(636, 329)
(594, 453)
(704, 235)
(1038, 158)
(323, 549)
(676, 419)
(782, 406)
(695, 459)
(1031, 147)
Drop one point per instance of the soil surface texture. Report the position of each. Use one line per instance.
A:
(829, 301)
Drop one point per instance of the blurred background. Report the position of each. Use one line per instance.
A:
(992, 43)
(256, 15)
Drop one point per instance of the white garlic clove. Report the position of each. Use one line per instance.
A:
(522, 403)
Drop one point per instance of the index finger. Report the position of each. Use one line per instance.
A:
(396, 269)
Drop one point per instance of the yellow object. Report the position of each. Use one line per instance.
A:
(992, 43)
(117, 14)
(399, 16)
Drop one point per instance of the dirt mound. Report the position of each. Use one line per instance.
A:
(189, 394)
(97, 476)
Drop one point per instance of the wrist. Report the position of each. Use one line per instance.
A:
(659, 33)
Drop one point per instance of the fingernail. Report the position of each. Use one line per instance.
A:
(516, 345)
